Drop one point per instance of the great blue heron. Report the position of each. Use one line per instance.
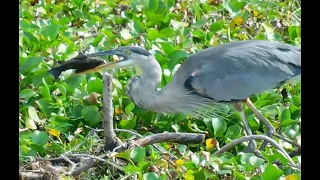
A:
(229, 73)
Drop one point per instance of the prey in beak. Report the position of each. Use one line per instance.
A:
(123, 62)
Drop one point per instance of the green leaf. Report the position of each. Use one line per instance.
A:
(116, 83)
(95, 85)
(166, 47)
(40, 138)
(219, 126)
(30, 123)
(62, 89)
(151, 176)
(233, 132)
(128, 124)
(175, 58)
(75, 81)
(29, 64)
(256, 161)
(288, 122)
(129, 108)
(50, 32)
(138, 26)
(285, 114)
(271, 173)
(167, 33)
(153, 34)
(138, 154)
(27, 94)
(296, 100)
(153, 5)
(293, 32)
(169, 3)
(45, 90)
(33, 114)
(178, 24)
(125, 154)
(91, 115)
(77, 2)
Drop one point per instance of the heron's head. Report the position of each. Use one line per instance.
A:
(129, 56)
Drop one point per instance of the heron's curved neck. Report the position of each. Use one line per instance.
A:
(143, 88)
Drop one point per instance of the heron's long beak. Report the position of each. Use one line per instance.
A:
(114, 65)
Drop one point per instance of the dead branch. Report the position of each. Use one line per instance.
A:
(254, 137)
(181, 138)
(109, 133)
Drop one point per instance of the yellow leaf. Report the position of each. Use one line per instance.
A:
(293, 177)
(236, 22)
(255, 13)
(179, 162)
(54, 132)
(161, 163)
(117, 111)
(211, 143)
(188, 176)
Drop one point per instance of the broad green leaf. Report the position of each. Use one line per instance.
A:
(153, 5)
(138, 154)
(219, 126)
(170, 3)
(74, 82)
(30, 63)
(175, 58)
(138, 26)
(256, 161)
(91, 115)
(167, 33)
(40, 138)
(30, 123)
(271, 173)
(129, 108)
(45, 90)
(125, 154)
(27, 93)
(33, 114)
(166, 47)
(178, 24)
(151, 176)
(125, 34)
(288, 122)
(50, 32)
(116, 83)
(95, 85)
(153, 34)
(62, 89)
(233, 132)
(77, 2)
(285, 114)
(128, 124)
(245, 158)
(296, 100)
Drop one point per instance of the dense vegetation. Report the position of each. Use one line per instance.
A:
(58, 116)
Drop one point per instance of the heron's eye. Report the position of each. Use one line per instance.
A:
(128, 52)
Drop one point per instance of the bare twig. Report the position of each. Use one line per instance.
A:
(250, 138)
(286, 139)
(181, 138)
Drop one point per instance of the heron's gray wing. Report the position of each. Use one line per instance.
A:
(241, 71)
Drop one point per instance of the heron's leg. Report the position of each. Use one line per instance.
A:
(252, 144)
(270, 128)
